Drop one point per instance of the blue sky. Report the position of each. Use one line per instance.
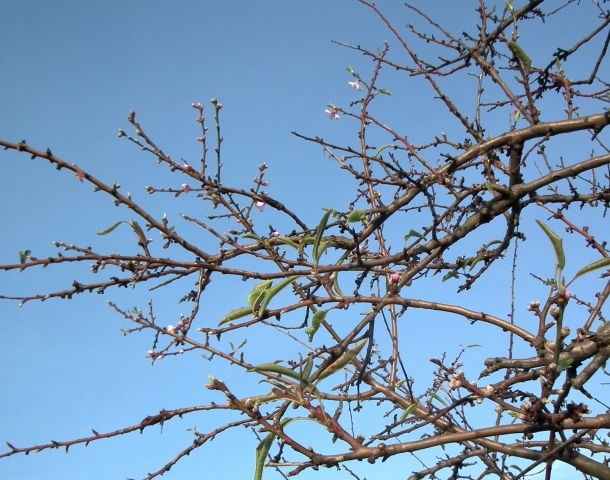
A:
(69, 74)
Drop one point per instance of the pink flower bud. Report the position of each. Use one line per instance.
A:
(188, 168)
(186, 188)
(260, 205)
(395, 277)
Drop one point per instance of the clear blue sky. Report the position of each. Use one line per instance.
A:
(69, 74)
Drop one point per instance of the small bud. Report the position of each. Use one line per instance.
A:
(188, 168)
(488, 391)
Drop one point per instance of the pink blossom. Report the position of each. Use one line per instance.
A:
(80, 175)
(188, 168)
(275, 234)
(333, 114)
(151, 353)
(186, 188)
(171, 329)
(455, 383)
(260, 205)
(395, 277)
(356, 85)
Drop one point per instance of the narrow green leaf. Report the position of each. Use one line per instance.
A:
(557, 242)
(521, 55)
(261, 455)
(384, 91)
(335, 277)
(307, 369)
(316, 321)
(107, 231)
(322, 249)
(408, 411)
(350, 70)
(357, 216)
(252, 236)
(604, 262)
(381, 149)
(451, 274)
(235, 314)
(342, 361)
(333, 213)
(493, 242)
(136, 228)
(269, 293)
(256, 295)
(319, 232)
(434, 395)
(275, 368)
(474, 263)
(287, 241)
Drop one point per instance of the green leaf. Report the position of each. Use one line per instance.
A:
(474, 262)
(604, 262)
(256, 295)
(269, 293)
(136, 228)
(252, 236)
(319, 232)
(235, 314)
(287, 241)
(275, 368)
(521, 55)
(413, 233)
(451, 274)
(557, 242)
(384, 91)
(493, 242)
(357, 216)
(316, 321)
(350, 70)
(307, 369)
(333, 213)
(265, 445)
(321, 249)
(107, 231)
(261, 455)
(408, 411)
(335, 277)
(23, 256)
(564, 364)
(342, 361)
(381, 149)
(434, 395)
